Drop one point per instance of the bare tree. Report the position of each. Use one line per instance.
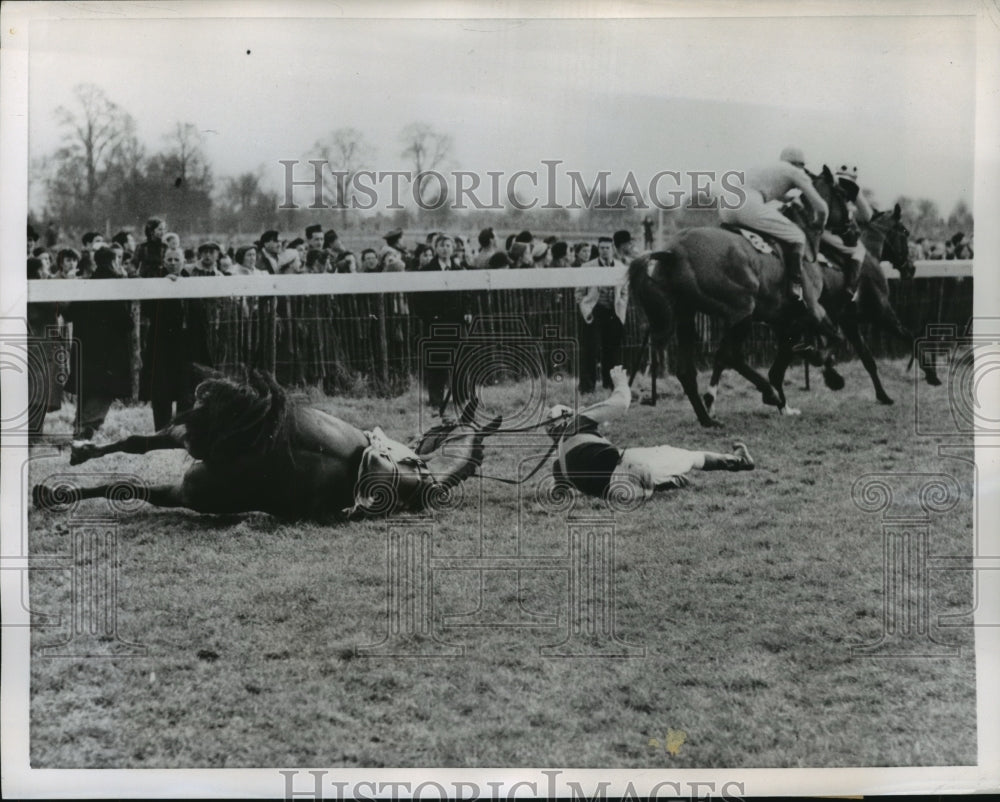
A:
(428, 149)
(346, 152)
(93, 135)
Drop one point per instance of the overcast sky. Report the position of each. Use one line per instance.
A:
(893, 95)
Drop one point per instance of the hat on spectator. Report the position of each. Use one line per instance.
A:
(498, 260)
(486, 236)
(793, 155)
(517, 250)
(209, 246)
(393, 235)
(524, 236)
(621, 238)
(604, 239)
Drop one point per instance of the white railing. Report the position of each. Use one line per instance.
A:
(67, 291)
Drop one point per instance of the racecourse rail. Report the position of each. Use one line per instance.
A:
(140, 289)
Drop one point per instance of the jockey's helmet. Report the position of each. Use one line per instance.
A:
(793, 155)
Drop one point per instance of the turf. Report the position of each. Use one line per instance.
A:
(745, 593)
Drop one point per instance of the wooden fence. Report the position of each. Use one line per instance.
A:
(361, 344)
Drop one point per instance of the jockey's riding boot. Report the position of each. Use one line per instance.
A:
(793, 261)
(745, 461)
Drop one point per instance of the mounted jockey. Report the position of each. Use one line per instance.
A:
(592, 464)
(860, 212)
(766, 190)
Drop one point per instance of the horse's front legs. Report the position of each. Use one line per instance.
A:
(167, 438)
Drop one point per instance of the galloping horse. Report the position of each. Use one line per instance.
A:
(719, 273)
(886, 239)
(256, 451)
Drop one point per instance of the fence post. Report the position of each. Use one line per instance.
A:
(135, 341)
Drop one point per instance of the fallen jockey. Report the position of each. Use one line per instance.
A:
(592, 464)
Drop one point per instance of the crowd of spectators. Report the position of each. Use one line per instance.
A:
(318, 251)
(172, 331)
(955, 247)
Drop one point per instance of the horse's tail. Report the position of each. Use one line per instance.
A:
(235, 417)
(648, 278)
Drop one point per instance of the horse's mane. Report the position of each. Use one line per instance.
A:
(235, 417)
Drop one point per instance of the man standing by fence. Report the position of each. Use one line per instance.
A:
(602, 318)
(444, 315)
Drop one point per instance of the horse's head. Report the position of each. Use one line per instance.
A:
(895, 241)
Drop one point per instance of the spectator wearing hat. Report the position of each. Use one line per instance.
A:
(270, 247)
(167, 375)
(147, 261)
(392, 244)
(560, 254)
(487, 247)
(246, 262)
(601, 322)
(208, 259)
(102, 331)
(499, 261)
(624, 246)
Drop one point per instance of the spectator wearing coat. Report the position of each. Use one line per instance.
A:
(601, 322)
(102, 333)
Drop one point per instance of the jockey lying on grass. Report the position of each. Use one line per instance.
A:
(591, 463)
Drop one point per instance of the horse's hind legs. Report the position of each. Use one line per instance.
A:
(166, 438)
(45, 497)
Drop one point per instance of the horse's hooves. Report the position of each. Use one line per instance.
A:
(709, 399)
(80, 452)
(648, 402)
(713, 423)
(933, 381)
(833, 380)
(789, 411)
(884, 399)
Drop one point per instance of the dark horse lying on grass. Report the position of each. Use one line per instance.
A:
(257, 451)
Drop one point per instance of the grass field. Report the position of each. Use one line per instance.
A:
(745, 590)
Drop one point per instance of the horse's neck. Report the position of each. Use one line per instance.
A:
(873, 238)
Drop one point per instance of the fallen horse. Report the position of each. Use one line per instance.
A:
(255, 450)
